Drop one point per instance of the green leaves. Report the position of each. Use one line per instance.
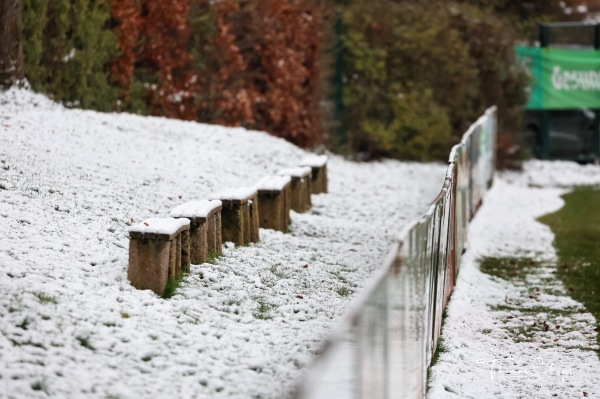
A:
(418, 74)
(66, 49)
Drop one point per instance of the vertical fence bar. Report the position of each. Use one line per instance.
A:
(338, 79)
(596, 138)
(428, 264)
(544, 115)
(373, 346)
(441, 272)
(451, 250)
(397, 361)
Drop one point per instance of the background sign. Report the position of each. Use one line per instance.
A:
(562, 79)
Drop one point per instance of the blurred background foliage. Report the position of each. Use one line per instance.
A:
(368, 78)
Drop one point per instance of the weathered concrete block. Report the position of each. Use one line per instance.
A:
(247, 223)
(253, 204)
(215, 235)
(205, 226)
(239, 219)
(178, 267)
(213, 238)
(272, 200)
(300, 187)
(157, 252)
(287, 201)
(232, 224)
(318, 165)
(186, 251)
(200, 243)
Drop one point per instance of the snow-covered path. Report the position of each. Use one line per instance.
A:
(71, 326)
(493, 350)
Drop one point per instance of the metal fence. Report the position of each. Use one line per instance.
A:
(385, 344)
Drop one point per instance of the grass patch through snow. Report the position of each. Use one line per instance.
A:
(576, 227)
(507, 268)
(530, 311)
(439, 349)
(172, 284)
(262, 312)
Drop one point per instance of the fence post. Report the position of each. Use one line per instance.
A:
(544, 114)
(338, 80)
(597, 111)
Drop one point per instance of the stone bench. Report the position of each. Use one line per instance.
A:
(274, 202)
(318, 166)
(239, 215)
(205, 228)
(300, 188)
(159, 252)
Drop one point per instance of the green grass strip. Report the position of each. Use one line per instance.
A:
(576, 227)
(172, 284)
(508, 268)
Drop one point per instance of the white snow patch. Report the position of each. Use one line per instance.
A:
(299, 171)
(195, 209)
(159, 226)
(71, 325)
(235, 194)
(314, 161)
(273, 183)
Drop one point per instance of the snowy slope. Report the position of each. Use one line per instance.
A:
(71, 326)
(553, 356)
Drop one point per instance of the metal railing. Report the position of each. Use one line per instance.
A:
(387, 341)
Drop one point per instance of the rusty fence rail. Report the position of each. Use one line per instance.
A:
(384, 346)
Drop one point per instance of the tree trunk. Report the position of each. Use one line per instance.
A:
(11, 43)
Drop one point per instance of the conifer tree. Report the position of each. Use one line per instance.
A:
(34, 21)
(67, 49)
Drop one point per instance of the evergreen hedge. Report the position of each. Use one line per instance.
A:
(67, 47)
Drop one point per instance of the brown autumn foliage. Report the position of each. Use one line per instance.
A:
(263, 71)
(166, 34)
(153, 36)
(255, 63)
(227, 93)
(127, 14)
(289, 69)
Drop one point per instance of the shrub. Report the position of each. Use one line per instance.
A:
(417, 75)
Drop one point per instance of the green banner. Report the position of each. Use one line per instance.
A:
(562, 79)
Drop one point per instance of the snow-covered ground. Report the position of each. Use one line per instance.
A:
(493, 350)
(71, 326)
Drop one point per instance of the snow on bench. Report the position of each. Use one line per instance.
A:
(159, 251)
(239, 215)
(158, 228)
(274, 202)
(273, 184)
(197, 211)
(318, 165)
(235, 195)
(297, 172)
(301, 187)
(205, 228)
